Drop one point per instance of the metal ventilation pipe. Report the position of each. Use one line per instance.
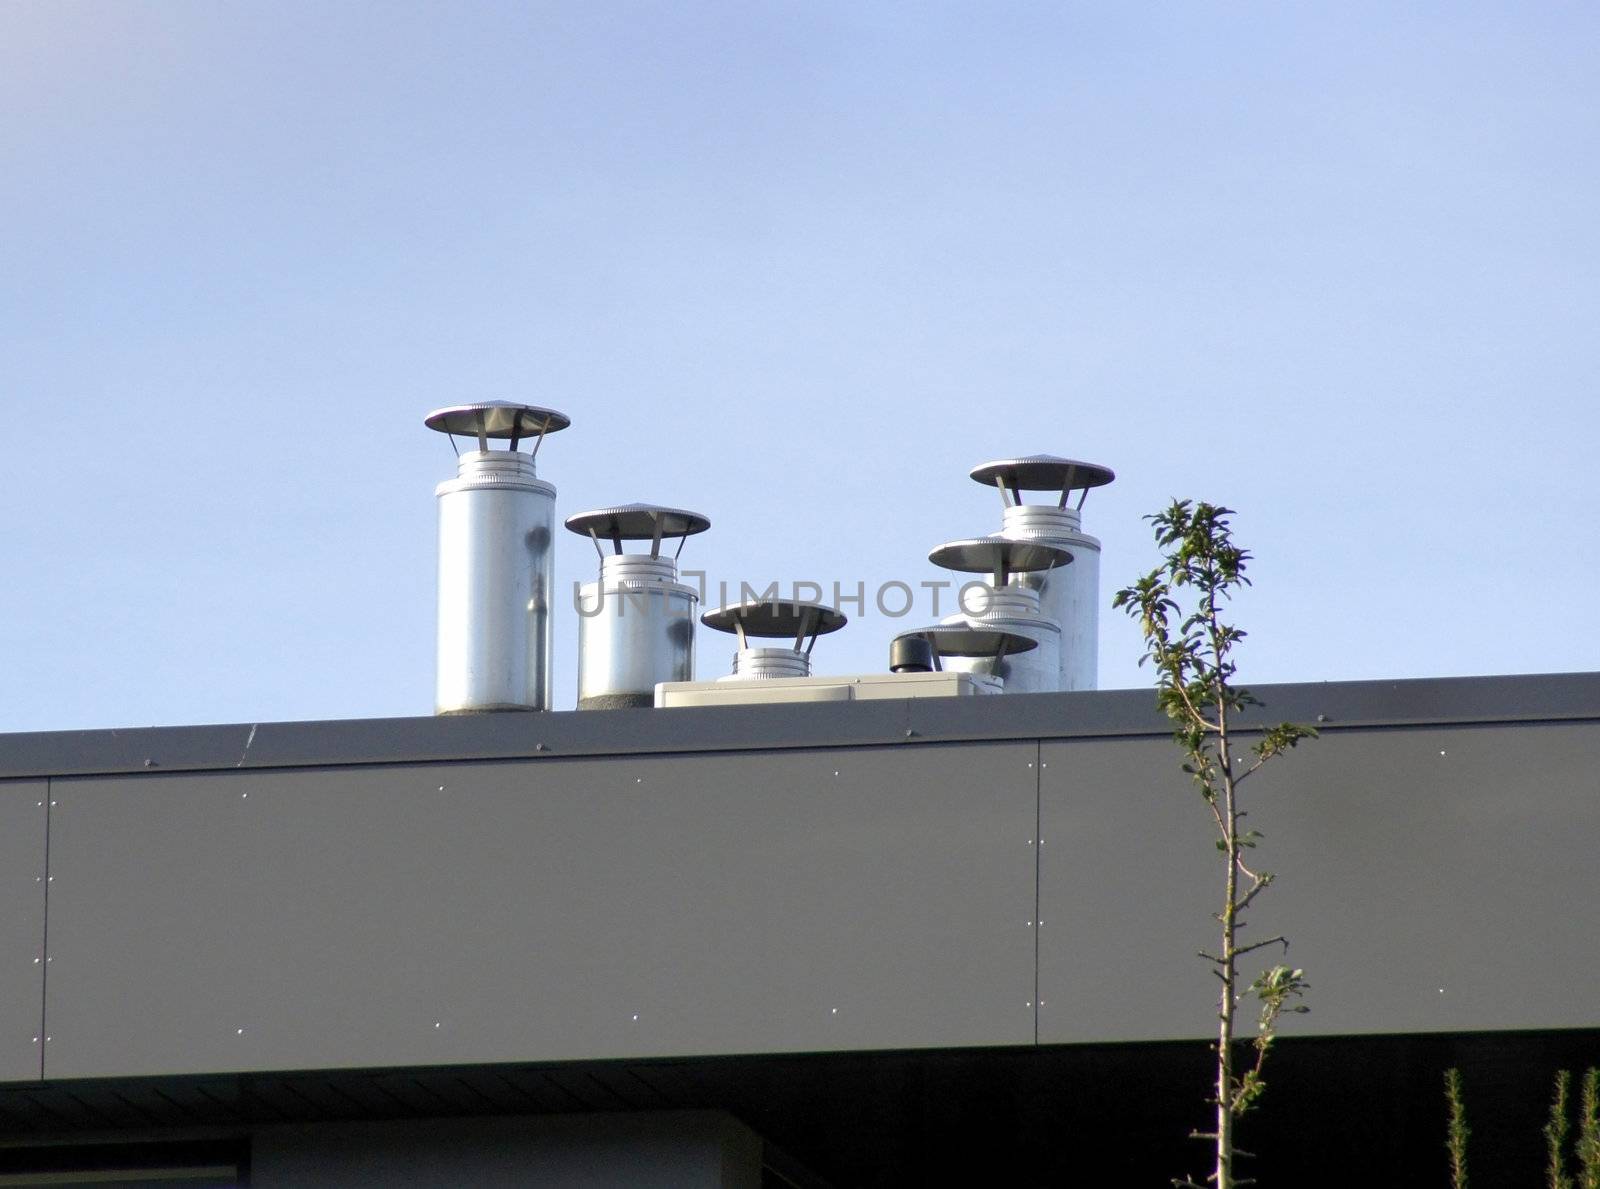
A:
(1008, 607)
(783, 619)
(636, 621)
(911, 652)
(958, 641)
(1070, 596)
(496, 523)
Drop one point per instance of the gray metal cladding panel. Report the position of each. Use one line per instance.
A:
(1429, 879)
(23, 816)
(543, 910)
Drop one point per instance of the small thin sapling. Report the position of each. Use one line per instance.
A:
(1192, 652)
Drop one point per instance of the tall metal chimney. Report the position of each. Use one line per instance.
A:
(784, 619)
(1009, 606)
(496, 523)
(636, 621)
(1070, 596)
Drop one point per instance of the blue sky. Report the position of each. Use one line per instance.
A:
(799, 267)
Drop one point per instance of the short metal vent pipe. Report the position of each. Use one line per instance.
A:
(1004, 605)
(636, 620)
(789, 619)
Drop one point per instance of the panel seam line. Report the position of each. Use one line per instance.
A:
(44, 956)
(1038, 867)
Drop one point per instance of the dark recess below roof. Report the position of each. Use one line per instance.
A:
(1367, 1110)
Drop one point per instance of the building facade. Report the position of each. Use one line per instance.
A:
(872, 943)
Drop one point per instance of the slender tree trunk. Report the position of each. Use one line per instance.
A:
(1230, 844)
(1224, 1171)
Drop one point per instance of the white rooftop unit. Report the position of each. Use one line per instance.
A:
(864, 687)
